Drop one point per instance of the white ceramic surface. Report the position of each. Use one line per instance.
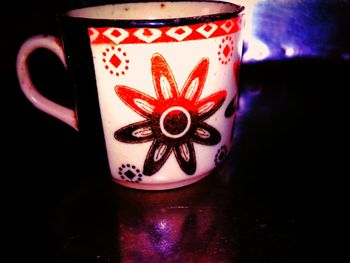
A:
(167, 92)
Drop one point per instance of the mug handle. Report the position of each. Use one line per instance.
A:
(53, 44)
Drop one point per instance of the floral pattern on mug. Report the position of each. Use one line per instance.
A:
(175, 120)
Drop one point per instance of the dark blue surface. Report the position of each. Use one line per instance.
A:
(299, 28)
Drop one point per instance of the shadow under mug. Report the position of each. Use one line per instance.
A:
(155, 86)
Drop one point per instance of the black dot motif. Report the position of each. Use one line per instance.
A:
(220, 155)
(130, 173)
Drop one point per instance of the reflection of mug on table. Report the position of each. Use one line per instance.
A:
(191, 224)
(156, 85)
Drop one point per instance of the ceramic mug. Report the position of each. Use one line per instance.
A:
(155, 85)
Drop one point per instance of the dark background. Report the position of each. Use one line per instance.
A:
(278, 186)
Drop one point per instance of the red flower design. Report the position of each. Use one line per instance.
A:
(175, 120)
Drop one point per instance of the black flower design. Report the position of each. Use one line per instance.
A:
(174, 120)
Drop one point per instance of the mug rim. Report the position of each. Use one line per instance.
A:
(156, 22)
